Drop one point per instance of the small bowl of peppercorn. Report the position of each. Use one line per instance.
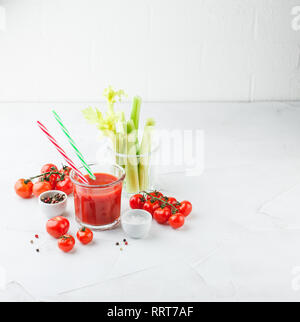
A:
(53, 203)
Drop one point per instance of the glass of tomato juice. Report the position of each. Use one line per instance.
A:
(98, 203)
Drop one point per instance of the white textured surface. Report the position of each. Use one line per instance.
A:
(241, 243)
(164, 50)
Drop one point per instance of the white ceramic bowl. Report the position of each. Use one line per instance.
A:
(53, 210)
(136, 223)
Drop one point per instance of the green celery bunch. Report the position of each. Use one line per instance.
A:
(131, 155)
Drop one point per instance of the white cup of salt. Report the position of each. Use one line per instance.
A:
(136, 223)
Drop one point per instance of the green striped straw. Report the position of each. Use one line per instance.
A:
(74, 146)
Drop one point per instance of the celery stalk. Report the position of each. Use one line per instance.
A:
(130, 127)
(135, 111)
(145, 150)
(121, 141)
(119, 148)
(135, 117)
(132, 175)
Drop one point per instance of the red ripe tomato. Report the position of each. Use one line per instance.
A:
(53, 178)
(66, 170)
(172, 201)
(176, 221)
(23, 188)
(162, 215)
(57, 226)
(85, 235)
(156, 194)
(49, 167)
(40, 187)
(65, 185)
(151, 207)
(185, 208)
(137, 201)
(66, 243)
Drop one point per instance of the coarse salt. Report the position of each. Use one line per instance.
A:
(136, 223)
(135, 218)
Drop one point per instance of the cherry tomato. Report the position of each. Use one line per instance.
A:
(85, 235)
(53, 178)
(137, 201)
(156, 194)
(57, 226)
(162, 215)
(176, 221)
(172, 201)
(40, 187)
(49, 167)
(185, 208)
(66, 170)
(65, 185)
(23, 188)
(66, 243)
(151, 207)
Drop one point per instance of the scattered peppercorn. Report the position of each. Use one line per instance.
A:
(37, 250)
(117, 244)
(54, 199)
(124, 240)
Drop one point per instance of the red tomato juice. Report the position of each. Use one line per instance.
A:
(98, 206)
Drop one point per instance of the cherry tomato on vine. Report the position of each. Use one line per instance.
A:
(185, 208)
(53, 178)
(49, 167)
(66, 243)
(65, 185)
(40, 187)
(172, 201)
(85, 235)
(57, 226)
(23, 188)
(176, 221)
(50, 179)
(162, 215)
(151, 207)
(66, 170)
(156, 194)
(137, 201)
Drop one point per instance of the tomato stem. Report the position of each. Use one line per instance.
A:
(164, 202)
(65, 237)
(49, 174)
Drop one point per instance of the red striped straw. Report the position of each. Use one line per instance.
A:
(62, 152)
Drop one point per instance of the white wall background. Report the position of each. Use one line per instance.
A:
(164, 50)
